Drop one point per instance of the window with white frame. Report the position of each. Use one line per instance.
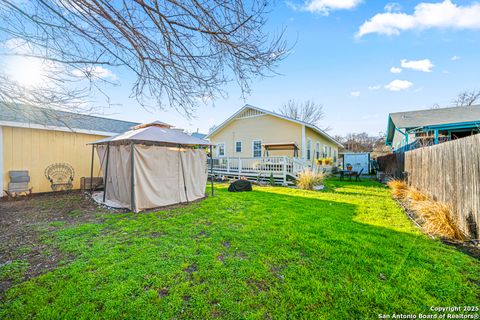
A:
(238, 146)
(221, 150)
(329, 152)
(257, 148)
(334, 155)
(309, 149)
(317, 150)
(325, 151)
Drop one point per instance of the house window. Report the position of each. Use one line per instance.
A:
(317, 150)
(325, 150)
(221, 150)
(329, 152)
(335, 156)
(309, 149)
(257, 148)
(238, 146)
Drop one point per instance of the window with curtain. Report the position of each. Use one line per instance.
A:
(257, 148)
(221, 149)
(238, 146)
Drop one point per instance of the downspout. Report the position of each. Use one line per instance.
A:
(304, 143)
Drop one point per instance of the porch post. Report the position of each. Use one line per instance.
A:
(436, 136)
(228, 164)
(284, 170)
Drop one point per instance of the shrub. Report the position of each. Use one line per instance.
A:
(399, 188)
(308, 179)
(414, 195)
(438, 219)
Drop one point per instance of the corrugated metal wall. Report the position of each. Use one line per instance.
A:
(34, 150)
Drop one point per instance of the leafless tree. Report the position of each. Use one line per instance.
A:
(363, 142)
(179, 52)
(467, 98)
(308, 111)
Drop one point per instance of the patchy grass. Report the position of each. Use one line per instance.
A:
(348, 252)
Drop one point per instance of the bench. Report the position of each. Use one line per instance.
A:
(18, 184)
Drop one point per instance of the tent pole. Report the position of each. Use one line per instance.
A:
(132, 177)
(106, 173)
(91, 169)
(211, 167)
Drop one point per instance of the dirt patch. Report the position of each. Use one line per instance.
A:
(22, 222)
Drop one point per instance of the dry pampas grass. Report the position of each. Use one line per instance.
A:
(309, 179)
(435, 217)
(414, 195)
(399, 188)
(438, 219)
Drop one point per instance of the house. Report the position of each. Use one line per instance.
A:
(414, 129)
(253, 133)
(50, 144)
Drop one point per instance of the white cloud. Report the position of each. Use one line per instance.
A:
(355, 93)
(376, 87)
(424, 65)
(455, 58)
(395, 70)
(426, 15)
(398, 85)
(326, 6)
(95, 71)
(392, 7)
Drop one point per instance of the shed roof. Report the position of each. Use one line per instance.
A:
(20, 115)
(432, 118)
(155, 134)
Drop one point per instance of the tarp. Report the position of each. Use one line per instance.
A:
(156, 134)
(159, 175)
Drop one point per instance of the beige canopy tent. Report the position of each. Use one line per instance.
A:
(151, 166)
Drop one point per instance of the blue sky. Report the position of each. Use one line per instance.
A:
(347, 71)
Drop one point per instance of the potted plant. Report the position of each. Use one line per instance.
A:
(349, 166)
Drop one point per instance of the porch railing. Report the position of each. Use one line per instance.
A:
(280, 167)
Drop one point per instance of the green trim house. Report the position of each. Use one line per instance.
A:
(413, 129)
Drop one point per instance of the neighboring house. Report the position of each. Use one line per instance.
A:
(34, 139)
(255, 132)
(414, 129)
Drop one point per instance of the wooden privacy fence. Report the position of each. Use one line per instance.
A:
(392, 165)
(450, 172)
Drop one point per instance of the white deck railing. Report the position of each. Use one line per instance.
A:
(280, 167)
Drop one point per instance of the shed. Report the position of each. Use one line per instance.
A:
(358, 160)
(152, 165)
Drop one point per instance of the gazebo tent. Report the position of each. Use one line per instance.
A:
(151, 166)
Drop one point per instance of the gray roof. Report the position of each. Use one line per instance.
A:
(431, 117)
(31, 115)
(156, 134)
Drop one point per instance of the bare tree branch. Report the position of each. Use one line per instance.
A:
(308, 111)
(467, 98)
(178, 51)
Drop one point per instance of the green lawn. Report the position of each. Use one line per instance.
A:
(346, 252)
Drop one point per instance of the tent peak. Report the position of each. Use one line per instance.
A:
(155, 123)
